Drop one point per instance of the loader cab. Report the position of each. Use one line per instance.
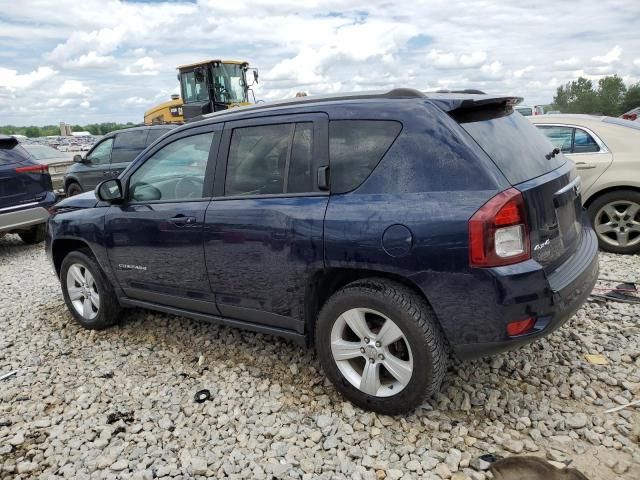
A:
(212, 86)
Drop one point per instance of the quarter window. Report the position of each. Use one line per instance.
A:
(355, 149)
(175, 172)
(270, 160)
(584, 143)
(101, 154)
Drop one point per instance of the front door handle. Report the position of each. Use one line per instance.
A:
(180, 220)
(584, 166)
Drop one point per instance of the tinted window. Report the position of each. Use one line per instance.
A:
(300, 177)
(584, 143)
(355, 148)
(128, 145)
(561, 137)
(527, 112)
(270, 159)
(10, 152)
(175, 172)
(155, 133)
(515, 145)
(101, 154)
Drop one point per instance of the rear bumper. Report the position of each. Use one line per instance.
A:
(23, 217)
(526, 290)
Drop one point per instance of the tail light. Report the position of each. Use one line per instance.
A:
(33, 169)
(498, 231)
(520, 327)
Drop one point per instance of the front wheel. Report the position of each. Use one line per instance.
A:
(615, 217)
(73, 189)
(88, 294)
(380, 344)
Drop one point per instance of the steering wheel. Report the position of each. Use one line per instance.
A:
(188, 187)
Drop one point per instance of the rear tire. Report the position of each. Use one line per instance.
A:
(33, 235)
(73, 189)
(615, 217)
(413, 365)
(87, 292)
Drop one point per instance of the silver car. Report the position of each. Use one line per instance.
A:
(606, 151)
(58, 162)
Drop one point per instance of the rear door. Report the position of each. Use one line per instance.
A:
(263, 233)
(156, 235)
(548, 182)
(126, 147)
(584, 147)
(22, 181)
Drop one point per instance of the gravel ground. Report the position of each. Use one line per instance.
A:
(119, 403)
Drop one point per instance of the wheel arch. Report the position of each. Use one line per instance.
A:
(60, 248)
(592, 198)
(326, 282)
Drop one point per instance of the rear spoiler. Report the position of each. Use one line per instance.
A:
(8, 141)
(453, 103)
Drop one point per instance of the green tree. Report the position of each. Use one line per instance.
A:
(32, 132)
(611, 93)
(631, 98)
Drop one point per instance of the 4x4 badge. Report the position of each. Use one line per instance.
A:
(540, 246)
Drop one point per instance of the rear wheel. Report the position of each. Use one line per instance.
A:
(73, 189)
(616, 219)
(381, 346)
(33, 235)
(88, 294)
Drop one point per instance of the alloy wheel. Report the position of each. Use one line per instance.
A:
(371, 352)
(618, 223)
(83, 291)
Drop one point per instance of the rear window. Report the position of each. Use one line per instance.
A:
(10, 152)
(514, 144)
(355, 149)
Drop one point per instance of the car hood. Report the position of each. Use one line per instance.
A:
(83, 200)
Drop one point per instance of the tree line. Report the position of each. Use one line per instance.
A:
(609, 96)
(52, 130)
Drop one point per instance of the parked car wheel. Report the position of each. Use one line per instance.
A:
(33, 235)
(381, 346)
(616, 219)
(87, 293)
(73, 189)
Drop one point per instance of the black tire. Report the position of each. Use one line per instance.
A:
(417, 322)
(109, 310)
(604, 240)
(33, 235)
(74, 189)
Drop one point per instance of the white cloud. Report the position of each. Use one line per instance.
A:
(142, 66)
(73, 89)
(567, 62)
(475, 59)
(523, 71)
(611, 56)
(91, 60)
(12, 80)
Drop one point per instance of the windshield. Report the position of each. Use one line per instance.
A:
(229, 83)
(194, 87)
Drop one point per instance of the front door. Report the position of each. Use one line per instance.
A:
(156, 235)
(263, 233)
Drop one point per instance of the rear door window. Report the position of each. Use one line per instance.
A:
(561, 137)
(515, 145)
(154, 134)
(128, 145)
(272, 159)
(355, 149)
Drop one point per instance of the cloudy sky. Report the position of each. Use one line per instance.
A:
(85, 61)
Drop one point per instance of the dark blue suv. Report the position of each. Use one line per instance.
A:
(388, 230)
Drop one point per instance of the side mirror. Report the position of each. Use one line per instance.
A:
(78, 158)
(110, 191)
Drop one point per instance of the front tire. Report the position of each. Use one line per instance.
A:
(73, 189)
(615, 217)
(380, 344)
(88, 294)
(33, 235)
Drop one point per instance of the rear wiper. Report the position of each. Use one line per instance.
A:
(552, 153)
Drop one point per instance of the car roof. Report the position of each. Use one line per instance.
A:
(165, 126)
(446, 100)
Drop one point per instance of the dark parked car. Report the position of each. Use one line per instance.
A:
(110, 156)
(57, 161)
(387, 230)
(25, 192)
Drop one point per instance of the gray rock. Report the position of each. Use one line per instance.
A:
(324, 421)
(576, 420)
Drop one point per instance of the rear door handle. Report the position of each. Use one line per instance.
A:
(584, 166)
(180, 220)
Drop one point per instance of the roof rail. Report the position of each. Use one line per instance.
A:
(397, 93)
(471, 91)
